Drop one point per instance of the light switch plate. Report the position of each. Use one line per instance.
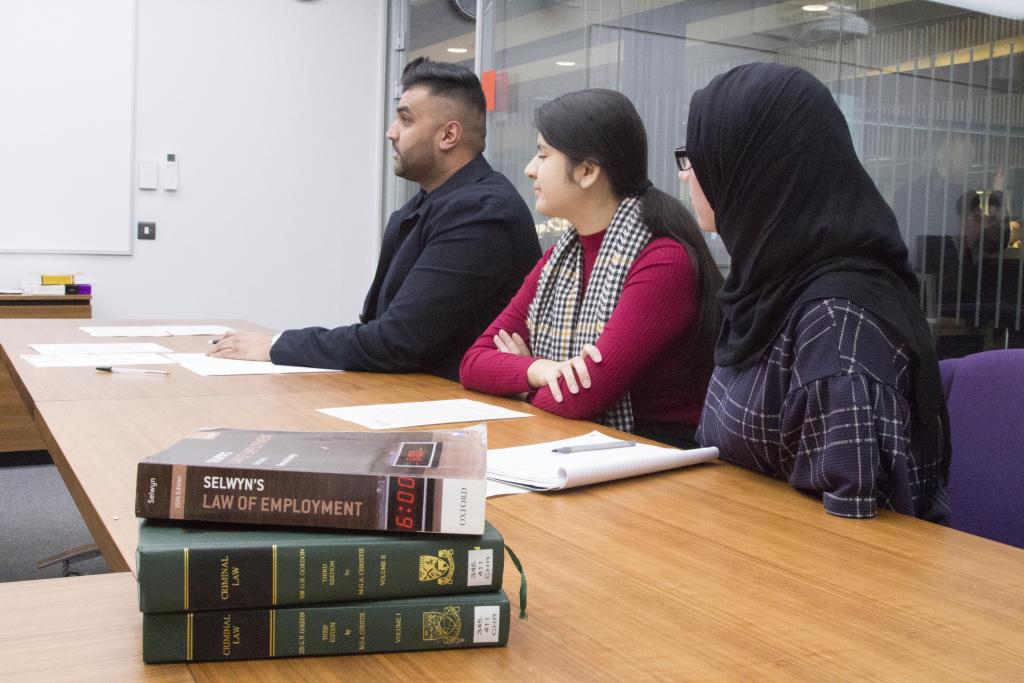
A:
(171, 172)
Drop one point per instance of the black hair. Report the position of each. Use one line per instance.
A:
(455, 83)
(603, 127)
(968, 202)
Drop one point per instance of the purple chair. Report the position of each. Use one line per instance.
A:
(985, 395)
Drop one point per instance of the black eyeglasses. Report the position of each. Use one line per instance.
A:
(682, 160)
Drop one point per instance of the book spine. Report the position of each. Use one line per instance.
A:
(434, 623)
(296, 573)
(347, 501)
(378, 502)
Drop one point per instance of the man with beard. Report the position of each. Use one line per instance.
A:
(450, 259)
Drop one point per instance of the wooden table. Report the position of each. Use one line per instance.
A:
(17, 432)
(82, 628)
(706, 572)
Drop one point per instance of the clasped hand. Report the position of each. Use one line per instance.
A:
(544, 372)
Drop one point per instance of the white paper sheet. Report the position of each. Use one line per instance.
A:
(81, 360)
(195, 330)
(537, 466)
(500, 488)
(99, 347)
(395, 415)
(136, 331)
(208, 366)
(154, 330)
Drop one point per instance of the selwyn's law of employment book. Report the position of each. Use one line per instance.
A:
(429, 481)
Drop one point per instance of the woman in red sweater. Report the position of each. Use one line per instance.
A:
(617, 321)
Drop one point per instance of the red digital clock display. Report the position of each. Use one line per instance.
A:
(418, 454)
(407, 500)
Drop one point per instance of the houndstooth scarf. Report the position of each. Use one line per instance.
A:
(559, 323)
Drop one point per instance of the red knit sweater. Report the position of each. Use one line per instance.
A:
(644, 346)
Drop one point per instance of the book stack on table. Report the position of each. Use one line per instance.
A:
(275, 544)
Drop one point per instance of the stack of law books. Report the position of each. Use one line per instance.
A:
(261, 544)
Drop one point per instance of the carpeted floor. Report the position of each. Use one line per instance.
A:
(38, 518)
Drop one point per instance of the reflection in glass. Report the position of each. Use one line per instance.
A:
(934, 95)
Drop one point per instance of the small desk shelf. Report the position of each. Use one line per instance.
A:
(17, 432)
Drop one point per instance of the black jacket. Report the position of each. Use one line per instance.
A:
(449, 262)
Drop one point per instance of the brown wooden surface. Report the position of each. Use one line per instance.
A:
(17, 431)
(717, 573)
(83, 628)
(705, 572)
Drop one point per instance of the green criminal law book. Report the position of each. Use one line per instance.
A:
(182, 566)
(431, 623)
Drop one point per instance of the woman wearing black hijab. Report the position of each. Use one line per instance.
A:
(825, 375)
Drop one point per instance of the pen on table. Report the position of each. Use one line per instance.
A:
(593, 447)
(133, 371)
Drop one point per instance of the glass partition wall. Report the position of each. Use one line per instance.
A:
(933, 92)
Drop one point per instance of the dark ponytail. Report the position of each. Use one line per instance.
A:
(665, 215)
(603, 127)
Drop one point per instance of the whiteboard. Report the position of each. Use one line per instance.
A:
(67, 70)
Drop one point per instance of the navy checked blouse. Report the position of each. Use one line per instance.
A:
(828, 410)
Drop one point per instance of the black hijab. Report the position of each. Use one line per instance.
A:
(802, 220)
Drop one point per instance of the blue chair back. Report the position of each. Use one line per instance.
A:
(985, 395)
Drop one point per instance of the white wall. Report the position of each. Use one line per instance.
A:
(274, 109)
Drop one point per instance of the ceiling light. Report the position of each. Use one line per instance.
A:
(458, 50)
(566, 63)
(815, 8)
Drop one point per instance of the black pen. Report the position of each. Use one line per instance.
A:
(593, 447)
(132, 371)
